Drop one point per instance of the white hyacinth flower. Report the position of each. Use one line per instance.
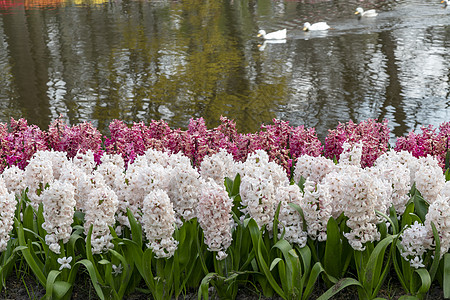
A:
(351, 154)
(317, 209)
(117, 270)
(430, 179)
(415, 241)
(8, 206)
(158, 222)
(14, 177)
(100, 210)
(38, 173)
(290, 220)
(313, 168)
(439, 214)
(218, 166)
(59, 207)
(215, 218)
(65, 262)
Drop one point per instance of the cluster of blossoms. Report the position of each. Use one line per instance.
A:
(158, 223)
(283, 143)
(166, 177)
(101, 206)
(428, 142)
(313, 168)
(59, 207)
(20, 143)
(290, 221)
(428, 178)
(439, 215)
(214, 217)
(260, 178)
(373, 136)
(418, 238)
(393, 167)
(218, 166)
(415, 241)
(317, 209)
(83, 136)
(8, 206)
(349, 189)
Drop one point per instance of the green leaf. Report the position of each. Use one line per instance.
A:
(136, 229)
(90, 257)
(147, 271)
(421, 206)
(50, 282)
(203, 289)
(315, 272)
(394, 219)
(232, 186)
(41, 220)
(260, 258)
(92, 273)
(275, 223)
(301, 183)
(371, 278)
(34, 263)
(406, 217)
(263, 265)
(425, 281)
(274, 263)
(126, 272)
(408, 297)
(293, 271)
(437, 252)
(61, 288)
(332, 261)
(400, 274)
(446, 275)
(305, 254)
(339, 286)
(447, 159)
(394, 224)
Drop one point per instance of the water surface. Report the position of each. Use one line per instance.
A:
(173, 60)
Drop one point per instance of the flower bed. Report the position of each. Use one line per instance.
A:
(182, 211)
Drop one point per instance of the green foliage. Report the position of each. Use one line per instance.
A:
(257, 258)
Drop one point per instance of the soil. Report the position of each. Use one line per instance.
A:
(20, 287)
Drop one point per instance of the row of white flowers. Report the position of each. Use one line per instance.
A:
(162, 190)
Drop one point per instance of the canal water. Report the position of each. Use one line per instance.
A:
(96, 60)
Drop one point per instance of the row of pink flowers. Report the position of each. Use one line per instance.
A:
(283, 143)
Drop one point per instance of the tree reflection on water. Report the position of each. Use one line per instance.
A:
(141, 60)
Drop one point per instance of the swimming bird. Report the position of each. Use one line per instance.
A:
(276, 35)
(316, 26)
(368, 13)
(445, 2)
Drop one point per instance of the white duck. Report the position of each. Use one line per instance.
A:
(276, 35)
(316, 26)
(368, 13)
(445, 2)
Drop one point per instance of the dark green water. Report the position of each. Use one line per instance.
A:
(174, 60)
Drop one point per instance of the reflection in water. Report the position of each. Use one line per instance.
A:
(263, 46)
(139, 60)
(45, 4)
